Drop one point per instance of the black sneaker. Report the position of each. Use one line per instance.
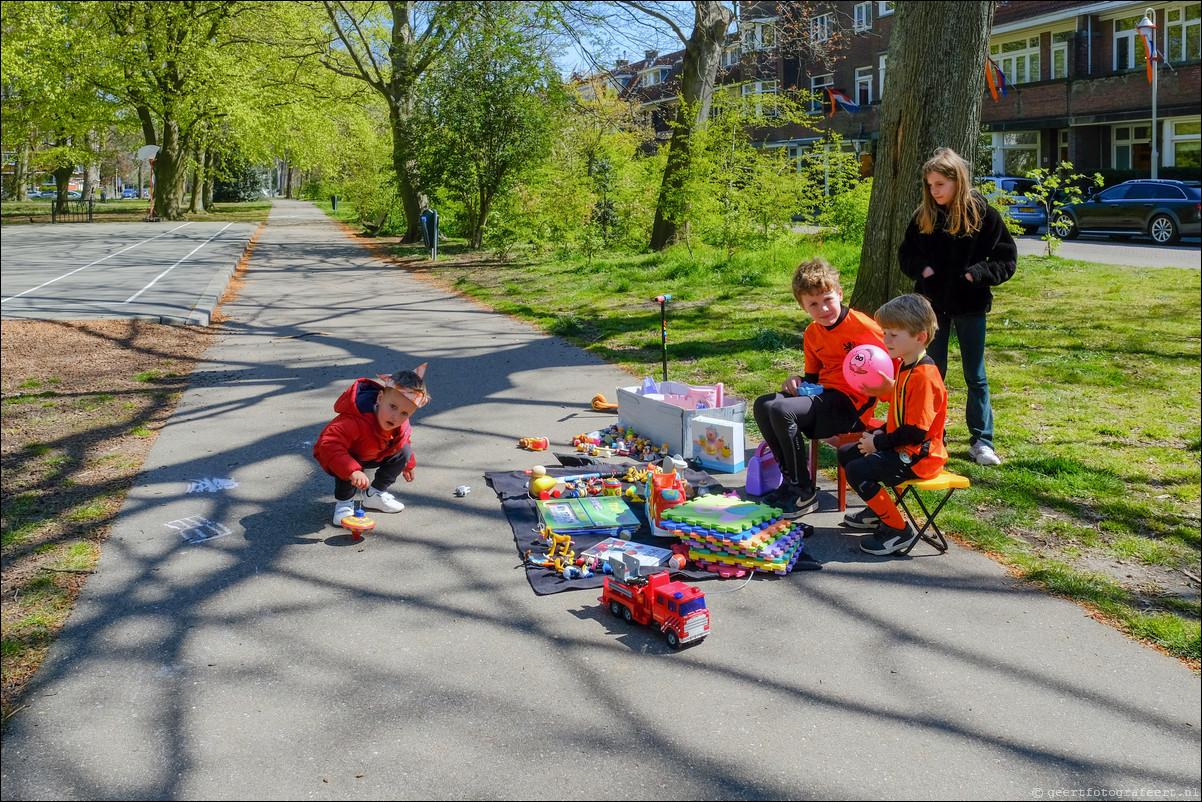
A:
(797, 500)
(864, 519)
(887, 540)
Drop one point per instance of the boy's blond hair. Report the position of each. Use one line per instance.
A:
(911, 313)
(815, 277)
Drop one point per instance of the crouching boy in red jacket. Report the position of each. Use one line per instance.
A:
(371, 431)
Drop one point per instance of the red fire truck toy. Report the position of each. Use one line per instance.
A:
(678, 609)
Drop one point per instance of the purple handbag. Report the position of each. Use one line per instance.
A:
(763, 474)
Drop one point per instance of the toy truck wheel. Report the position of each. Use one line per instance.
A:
(673, 639)
(627, 614)
(624, 534)
(616, 609)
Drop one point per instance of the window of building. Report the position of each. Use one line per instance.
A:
(880, 68)
(1128, 48)
(820, 27)
(862, 14)
(1018, 59)
(1183, 143)
(1062, 145)
(818, 83)
(1131, 147)
(1060, 54)
(730, 56)
(759, 35)
(754, 93)
(863, 85)
(1015, 152)
(1182, 37)
(884, 8)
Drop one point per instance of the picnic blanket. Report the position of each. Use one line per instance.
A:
(522, 515)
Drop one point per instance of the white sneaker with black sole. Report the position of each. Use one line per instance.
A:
(342, 509)
(381, 501)
(863, 519)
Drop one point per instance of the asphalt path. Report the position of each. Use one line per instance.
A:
(1103, 250)
(167, 272)
(234, 645)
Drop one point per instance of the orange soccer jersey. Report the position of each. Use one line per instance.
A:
(826, 348)
(920, 401)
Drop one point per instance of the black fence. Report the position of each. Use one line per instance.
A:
(79, 211)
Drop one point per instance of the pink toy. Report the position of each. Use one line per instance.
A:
(863, 367)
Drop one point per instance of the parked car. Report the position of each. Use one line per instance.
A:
(48, 193)
(129, 192)
(1162, 209)
(73, 195)
(1012, 192)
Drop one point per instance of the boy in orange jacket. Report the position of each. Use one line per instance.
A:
(371, 431)
(786, 418)
(911, 446)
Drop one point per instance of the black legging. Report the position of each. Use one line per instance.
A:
(387, 472)
(786, 421)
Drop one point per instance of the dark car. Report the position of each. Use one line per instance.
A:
(129, 192)
(1012, 192)
(1162, 209)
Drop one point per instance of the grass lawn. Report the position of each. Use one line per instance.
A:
(124, 211)
(1094, 372)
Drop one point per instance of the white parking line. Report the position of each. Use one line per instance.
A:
(89, 264)
(177, 264)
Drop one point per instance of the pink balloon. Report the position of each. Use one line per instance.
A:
(862, 364)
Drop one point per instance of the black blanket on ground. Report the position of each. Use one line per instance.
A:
(522, 514)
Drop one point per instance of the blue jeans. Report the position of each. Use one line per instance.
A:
(970, 331)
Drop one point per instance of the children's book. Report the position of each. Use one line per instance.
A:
(598, 515)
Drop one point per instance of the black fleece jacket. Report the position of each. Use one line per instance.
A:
(989, 256)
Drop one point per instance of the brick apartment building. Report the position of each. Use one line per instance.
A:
(1075, 75)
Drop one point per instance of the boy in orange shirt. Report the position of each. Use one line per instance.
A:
(788, 417)
(911, 446)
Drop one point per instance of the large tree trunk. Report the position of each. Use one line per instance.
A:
(170, 173)
(702, 55)
(934, 85)
(402, 82)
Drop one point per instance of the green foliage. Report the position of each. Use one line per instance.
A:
(490, 109)
(237, 180)
(847, 212)
(1055, 188)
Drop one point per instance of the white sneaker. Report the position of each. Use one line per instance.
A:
(342, 509)
(382, 501)
(983, 454)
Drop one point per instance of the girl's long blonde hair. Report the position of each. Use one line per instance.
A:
(964, 215)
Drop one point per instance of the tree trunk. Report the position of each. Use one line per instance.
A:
(206, 198)
(170, 173)
(14, 189)
(196, 202)
(62, 177)
(935, 83)
(404, 163)
(702, 55)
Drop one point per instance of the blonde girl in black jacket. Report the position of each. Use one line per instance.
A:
(956, 249)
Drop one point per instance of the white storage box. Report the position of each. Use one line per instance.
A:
(718, 443)
(665, 423)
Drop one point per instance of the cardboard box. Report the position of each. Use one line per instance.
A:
(666, 423)
(718, 443)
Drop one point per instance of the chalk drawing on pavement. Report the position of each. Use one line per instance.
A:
(198, 529)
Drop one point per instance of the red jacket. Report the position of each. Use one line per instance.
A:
(355, 437)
